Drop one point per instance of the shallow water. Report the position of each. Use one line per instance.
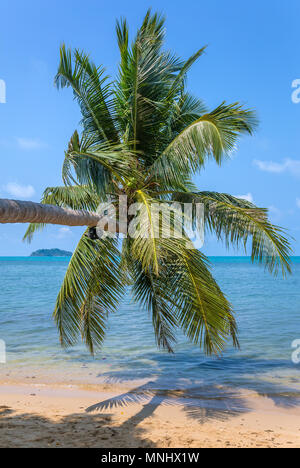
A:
(267, 310)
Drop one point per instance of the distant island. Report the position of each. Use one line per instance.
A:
(51, 253)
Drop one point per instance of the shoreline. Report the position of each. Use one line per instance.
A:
(48, 415)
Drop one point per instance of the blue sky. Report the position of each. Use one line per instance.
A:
(252, 56)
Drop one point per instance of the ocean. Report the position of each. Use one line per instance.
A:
(267, 311)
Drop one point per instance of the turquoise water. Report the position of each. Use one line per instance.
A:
(267, 310)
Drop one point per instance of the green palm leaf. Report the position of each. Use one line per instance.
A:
(204, 313)
(91, 289)
(213, 135)
(74, 197)
(198, 305)
(91, 90)
(150, 291)
(238, 221)
(31, 230)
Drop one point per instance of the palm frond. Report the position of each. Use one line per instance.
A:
(179, 81)
(148, 289)
(101, 98)
(86, 171)
(145, 245)
(213, 135)
(117, 161)
(144, 82)
(92, 91)
(31, 230)
(92, 288)
(74, 197)
(238, 221)
(203, 312)
(123, 36)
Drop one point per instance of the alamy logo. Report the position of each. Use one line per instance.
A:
(296, 353)
(296, 92)
(2, 352)
(2, 92)
(158, 220)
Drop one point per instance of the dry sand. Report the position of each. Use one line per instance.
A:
(38, 415)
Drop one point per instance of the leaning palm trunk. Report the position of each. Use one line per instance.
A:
(14, 211)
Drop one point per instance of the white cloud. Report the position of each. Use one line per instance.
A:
(64, 232)
(30, 143)
(19, 191)
(248, 197)
(298, 202)
(291, 166)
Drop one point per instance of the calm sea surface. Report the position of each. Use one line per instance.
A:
(267, 309)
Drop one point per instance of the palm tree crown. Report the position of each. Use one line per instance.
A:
(144, 136)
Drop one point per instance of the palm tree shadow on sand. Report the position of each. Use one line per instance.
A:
(201, 403)
(213, 403)
(226, 405)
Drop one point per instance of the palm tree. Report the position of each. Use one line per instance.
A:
(144, 136)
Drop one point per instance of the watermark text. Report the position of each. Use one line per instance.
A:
(296, 353)
(2, 92)
(153, 219)
(296, 92)
(2, 352)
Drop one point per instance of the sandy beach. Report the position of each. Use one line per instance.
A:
(39, 415)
